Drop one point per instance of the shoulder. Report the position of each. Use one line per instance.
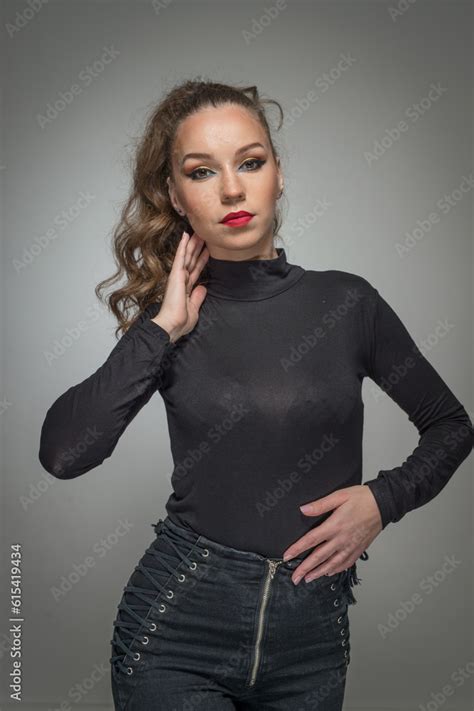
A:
(338, 285)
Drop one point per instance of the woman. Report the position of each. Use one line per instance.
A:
(260, 364)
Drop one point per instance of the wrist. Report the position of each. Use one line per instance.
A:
(171, 330)
(378, 488)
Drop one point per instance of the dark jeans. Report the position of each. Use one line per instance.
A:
(204, 627)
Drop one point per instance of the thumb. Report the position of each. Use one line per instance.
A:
(198, 295)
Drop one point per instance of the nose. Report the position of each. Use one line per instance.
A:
(231, 188)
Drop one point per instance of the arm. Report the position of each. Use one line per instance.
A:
(84, 424)
(446, 434)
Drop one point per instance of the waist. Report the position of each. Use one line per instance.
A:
(236, 555)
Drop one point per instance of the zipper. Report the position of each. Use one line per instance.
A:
(273, 565)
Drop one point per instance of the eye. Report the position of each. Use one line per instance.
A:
(258, 161)
(193, 175)
(197, 175)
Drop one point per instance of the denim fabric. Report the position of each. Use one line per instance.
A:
(205, 627)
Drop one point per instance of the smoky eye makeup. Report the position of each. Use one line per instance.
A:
(250, 165)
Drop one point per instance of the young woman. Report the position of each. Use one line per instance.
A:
(260, 364)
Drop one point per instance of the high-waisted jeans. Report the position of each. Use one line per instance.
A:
(205, 627)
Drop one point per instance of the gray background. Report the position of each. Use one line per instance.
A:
(48, 297)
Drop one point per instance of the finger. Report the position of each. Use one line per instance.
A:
(333, 565)
(318, 556)
(326, 503)
(193, 249)
(198, 267)
(180, 256)
(181, 259)
(315, 536)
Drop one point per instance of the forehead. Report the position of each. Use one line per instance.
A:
(220, 129)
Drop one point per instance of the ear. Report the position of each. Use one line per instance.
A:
(172, 194)
(280, 175)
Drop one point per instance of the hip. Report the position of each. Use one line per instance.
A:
(194, 603)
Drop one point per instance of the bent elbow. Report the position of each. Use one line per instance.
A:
(468, 432)
(56, 465)
(65, 451)
(63, 463)
(460, 434)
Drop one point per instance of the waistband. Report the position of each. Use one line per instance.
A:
(203, 541)
(199, 540)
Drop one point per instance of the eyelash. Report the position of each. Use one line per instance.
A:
(258, 161)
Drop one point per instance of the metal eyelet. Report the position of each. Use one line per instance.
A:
(336, 602)
(206, 553)
(129, 670)
(152, 627)
(181, 578)
(143, 640)
(193, 566)
(346, 652)
(170, 594)
(162, 607)
(136, 656)
(339, 619)
(343, 642)
(333, 586)
(343, 631)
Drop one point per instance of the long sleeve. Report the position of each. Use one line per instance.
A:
(445, 431)
(84, 424)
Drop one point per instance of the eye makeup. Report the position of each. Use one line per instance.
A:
(193, 175)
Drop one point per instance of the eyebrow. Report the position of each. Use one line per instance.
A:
(208, 155)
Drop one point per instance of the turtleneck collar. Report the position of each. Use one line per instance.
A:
(250, 279)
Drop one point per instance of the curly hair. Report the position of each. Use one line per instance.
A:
(147, 235)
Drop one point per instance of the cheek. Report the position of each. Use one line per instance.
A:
(202, 206)
(261, 193)
(268, 189)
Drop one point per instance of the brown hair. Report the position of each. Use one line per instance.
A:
(147, 235)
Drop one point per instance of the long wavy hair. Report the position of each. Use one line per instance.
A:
(146, 237)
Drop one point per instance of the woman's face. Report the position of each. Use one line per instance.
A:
(237, 173)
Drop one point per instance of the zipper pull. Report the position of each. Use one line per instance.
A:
(273, 566)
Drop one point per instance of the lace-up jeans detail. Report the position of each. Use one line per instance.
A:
(208, 627)
(131, 627)
(343, 597)
(341, 626)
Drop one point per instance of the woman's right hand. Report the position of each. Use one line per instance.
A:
(179, 310)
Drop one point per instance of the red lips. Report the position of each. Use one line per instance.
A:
(235, 215)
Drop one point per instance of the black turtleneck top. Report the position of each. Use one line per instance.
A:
(263, 403)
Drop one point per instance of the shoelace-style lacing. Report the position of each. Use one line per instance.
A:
(349, 575)
(144, 594)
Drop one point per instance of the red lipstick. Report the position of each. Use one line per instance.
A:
(236, 219)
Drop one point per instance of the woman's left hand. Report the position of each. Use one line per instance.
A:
(342, 537)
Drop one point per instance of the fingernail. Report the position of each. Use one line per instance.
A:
(297, 579)
(306, 508)
(287, 556)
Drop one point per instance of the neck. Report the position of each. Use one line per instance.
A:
(250, 279)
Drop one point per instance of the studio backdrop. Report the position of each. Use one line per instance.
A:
(376, 149)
